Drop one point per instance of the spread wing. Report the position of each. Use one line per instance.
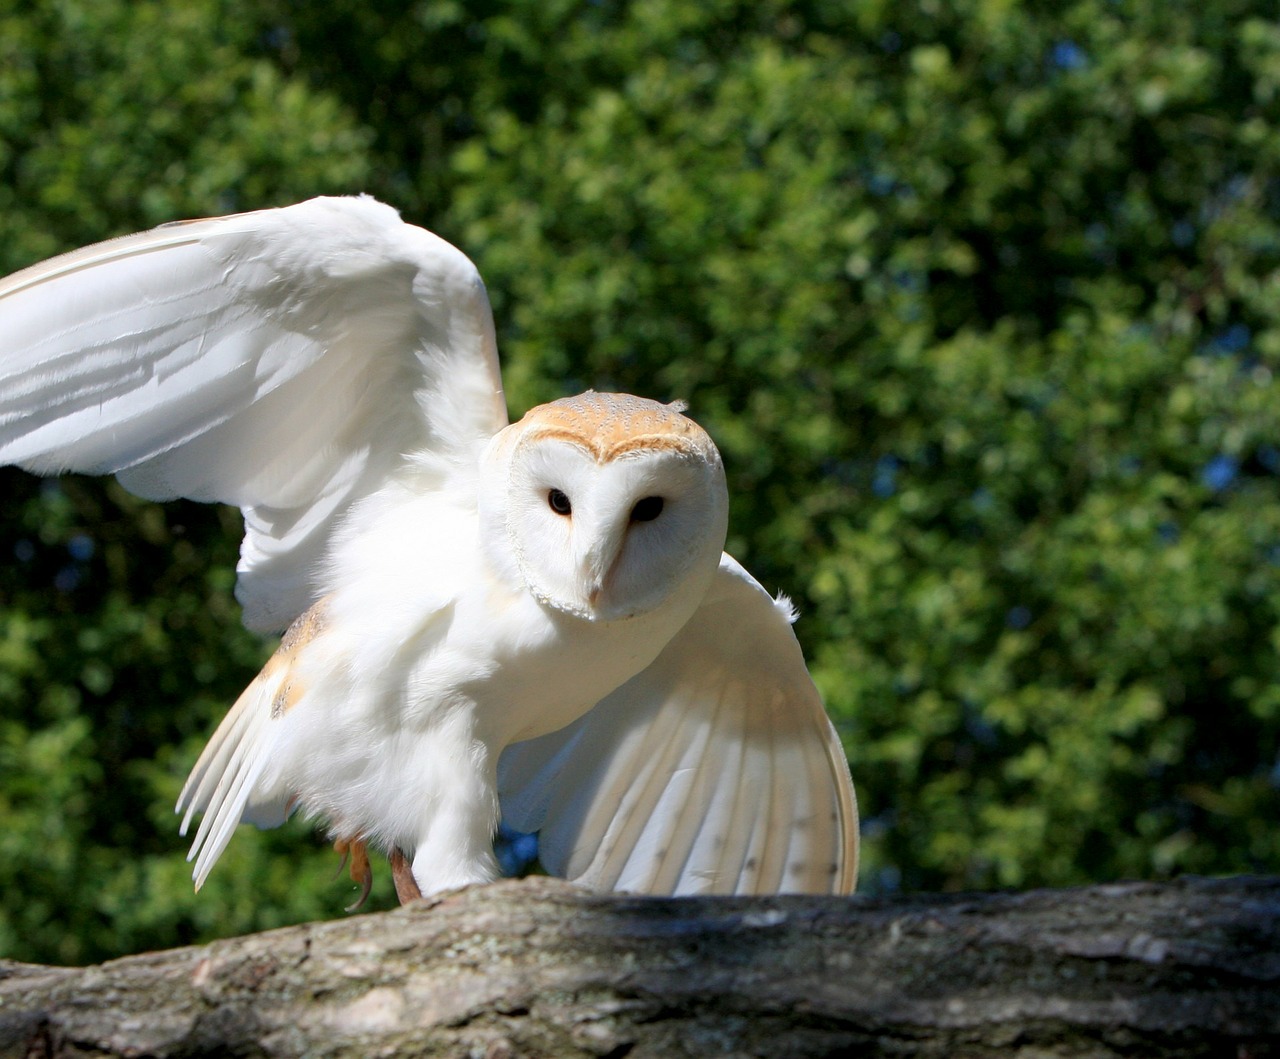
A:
(715, 770)
(283, 361)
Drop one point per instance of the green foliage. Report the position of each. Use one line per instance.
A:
(120, 642)
(120, 646)
(117, 116)
(980, 306)
(979, 301)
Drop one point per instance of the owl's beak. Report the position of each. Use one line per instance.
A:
(599, 561)
(598, 581)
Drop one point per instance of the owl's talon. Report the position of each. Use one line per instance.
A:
(360, 871)
(402, 874)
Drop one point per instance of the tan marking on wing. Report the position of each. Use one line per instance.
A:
(306, 627)
(280, 665)
(610, 424)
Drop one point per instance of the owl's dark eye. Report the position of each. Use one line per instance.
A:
(559, 503)
(647, 510)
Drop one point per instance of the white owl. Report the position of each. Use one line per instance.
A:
(531, 621)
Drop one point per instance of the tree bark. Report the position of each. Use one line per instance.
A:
(539, 968)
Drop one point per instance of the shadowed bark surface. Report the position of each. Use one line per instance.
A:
(539, 968)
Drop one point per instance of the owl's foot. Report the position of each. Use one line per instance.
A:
(406, 885)
(361, 873)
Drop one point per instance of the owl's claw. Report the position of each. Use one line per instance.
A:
(358, 853)
(360, 871)
(406, 885)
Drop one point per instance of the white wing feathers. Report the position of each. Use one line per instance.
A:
(227, 783)
(223, 784)
(284, 361)
(715, 770)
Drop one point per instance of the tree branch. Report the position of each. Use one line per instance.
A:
(538, 968)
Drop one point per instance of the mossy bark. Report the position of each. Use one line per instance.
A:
(539, 968)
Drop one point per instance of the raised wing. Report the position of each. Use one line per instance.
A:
(715, 770)
(285, 361)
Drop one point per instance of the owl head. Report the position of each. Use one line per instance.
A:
(604, 506)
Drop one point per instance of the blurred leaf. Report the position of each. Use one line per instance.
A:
(980, 302)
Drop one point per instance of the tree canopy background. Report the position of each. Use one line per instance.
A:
(981, 301)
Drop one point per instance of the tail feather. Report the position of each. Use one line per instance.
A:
(214, 759)
(224, 782)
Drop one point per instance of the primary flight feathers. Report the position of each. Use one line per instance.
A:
(532, 620)
(281, 361)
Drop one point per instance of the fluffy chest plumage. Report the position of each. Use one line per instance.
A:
(490, 665)
(425, 667)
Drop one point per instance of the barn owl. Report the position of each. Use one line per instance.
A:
(531, 621)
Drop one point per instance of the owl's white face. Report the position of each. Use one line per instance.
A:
(604, 505)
